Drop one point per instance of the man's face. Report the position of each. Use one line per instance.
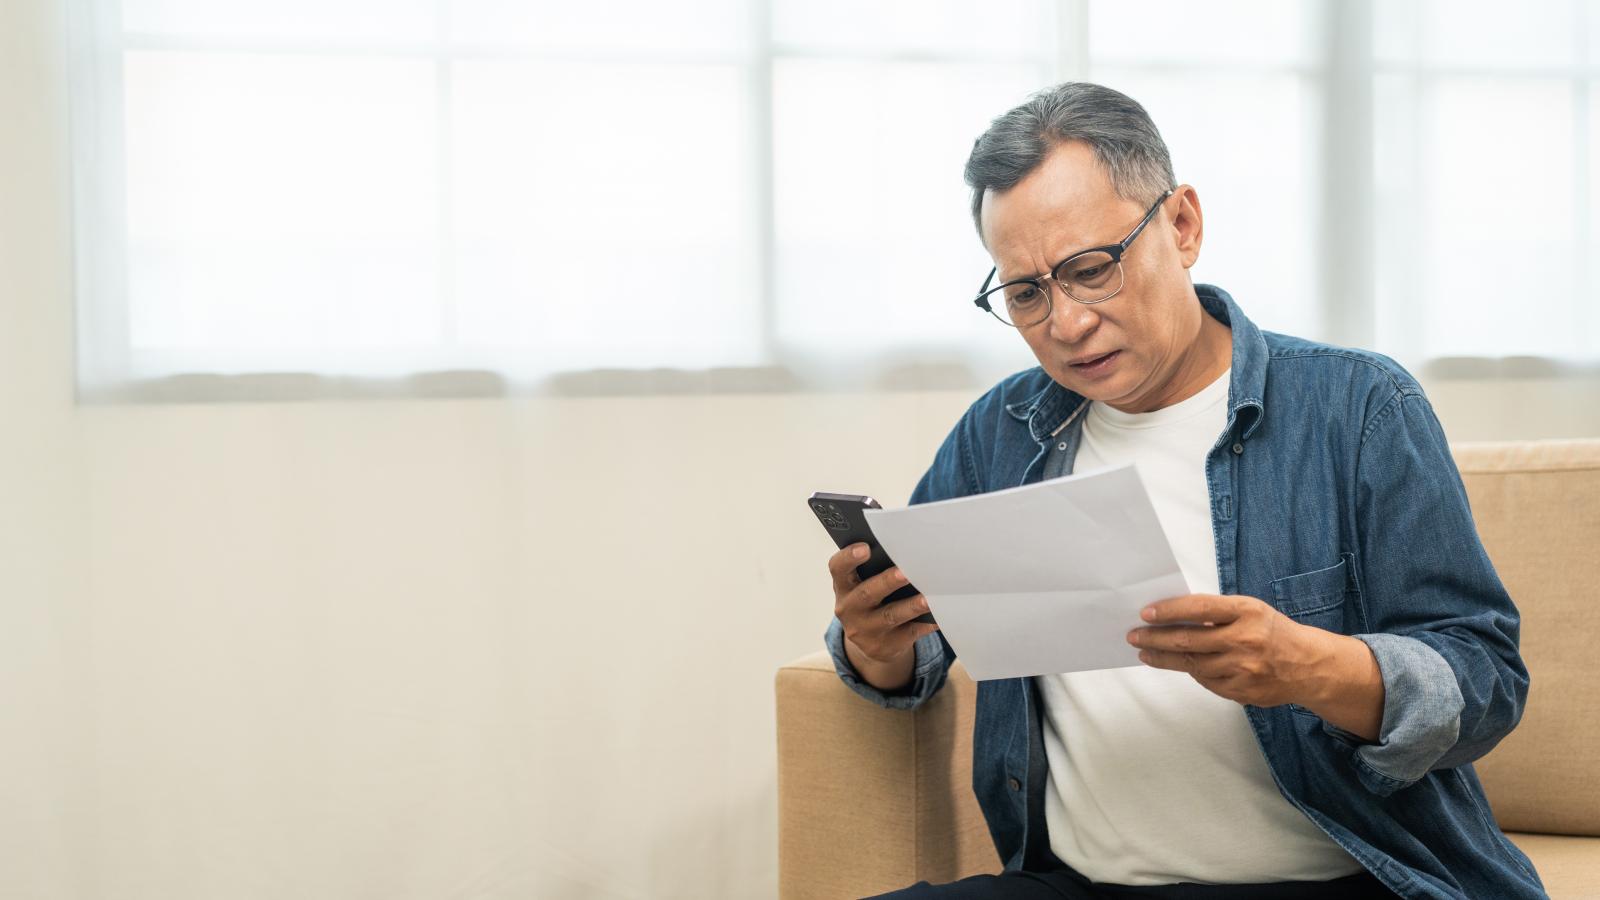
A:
(1151, 328)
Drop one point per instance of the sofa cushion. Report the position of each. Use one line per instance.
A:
(1537, 507)
(1568, 866)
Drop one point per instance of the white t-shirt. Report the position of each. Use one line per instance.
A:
(1154, 779)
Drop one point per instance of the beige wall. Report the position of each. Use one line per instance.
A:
(405, 647)
(414, 648)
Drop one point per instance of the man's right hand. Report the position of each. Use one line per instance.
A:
(877, 639)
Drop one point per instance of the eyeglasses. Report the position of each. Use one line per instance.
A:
(1088, 276)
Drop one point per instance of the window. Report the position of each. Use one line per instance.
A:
(1486, 179)
(366, 189)
(358, 187)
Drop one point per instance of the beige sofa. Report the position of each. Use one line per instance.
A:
(871, 799)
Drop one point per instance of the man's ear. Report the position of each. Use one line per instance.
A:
(1187, 224)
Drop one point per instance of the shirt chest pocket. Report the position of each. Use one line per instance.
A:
(1317, 598)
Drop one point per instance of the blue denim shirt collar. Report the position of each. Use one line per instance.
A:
(1049, 409)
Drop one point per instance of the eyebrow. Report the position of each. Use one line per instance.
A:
(1000, 279)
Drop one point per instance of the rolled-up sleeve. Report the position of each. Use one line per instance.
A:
(928, 673)
(1443, 629)
(1421, 713)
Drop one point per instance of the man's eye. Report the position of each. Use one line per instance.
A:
(1091, 270)
(1025, 296)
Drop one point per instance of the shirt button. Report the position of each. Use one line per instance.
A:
(1015, 784)
(1238, 449)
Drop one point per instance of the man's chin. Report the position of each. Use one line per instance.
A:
(1101, 390)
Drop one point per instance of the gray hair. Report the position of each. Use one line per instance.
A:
(1124, 139)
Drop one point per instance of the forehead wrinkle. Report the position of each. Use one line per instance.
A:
(1057, 251)
(1103, 219)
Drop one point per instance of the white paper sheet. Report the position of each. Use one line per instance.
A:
(1044, 578)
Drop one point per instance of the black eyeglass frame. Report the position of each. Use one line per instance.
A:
(1114, 251)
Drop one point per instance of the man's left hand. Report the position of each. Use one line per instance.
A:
(1247, 651)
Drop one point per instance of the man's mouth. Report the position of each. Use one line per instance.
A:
(1093, 361)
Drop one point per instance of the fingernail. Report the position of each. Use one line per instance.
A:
(1148, 614)
(860, 552)
(922, 603)
(1144, 656)
(1133, 638)
(899, 575)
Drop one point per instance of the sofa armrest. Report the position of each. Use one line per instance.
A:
(873, 799)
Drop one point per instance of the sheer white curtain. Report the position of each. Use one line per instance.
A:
(355, 188)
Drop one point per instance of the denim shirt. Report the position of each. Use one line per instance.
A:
(1334, 498)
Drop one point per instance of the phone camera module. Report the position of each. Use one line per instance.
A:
(831, 517)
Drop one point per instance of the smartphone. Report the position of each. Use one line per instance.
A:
(843, 516)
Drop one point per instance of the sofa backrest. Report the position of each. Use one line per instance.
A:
(1537, 507)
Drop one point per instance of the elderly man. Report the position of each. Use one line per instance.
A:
(1314, 738)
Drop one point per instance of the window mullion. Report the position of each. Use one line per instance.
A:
(104, 330)
(762, 141)
(444, 163)
(1072, 40)
(1584, 275)
(1347, 230)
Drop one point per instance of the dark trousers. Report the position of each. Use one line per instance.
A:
(1067, 884)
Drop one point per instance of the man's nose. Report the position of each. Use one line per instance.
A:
(1070, 321)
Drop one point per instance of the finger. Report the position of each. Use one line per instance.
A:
(842, 566)
(1181, 639)
(1169, 659)
(870, 592)
(898, 639)
(1213, 608)
(901, 612)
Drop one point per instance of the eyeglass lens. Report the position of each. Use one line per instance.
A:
(1087, 278)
